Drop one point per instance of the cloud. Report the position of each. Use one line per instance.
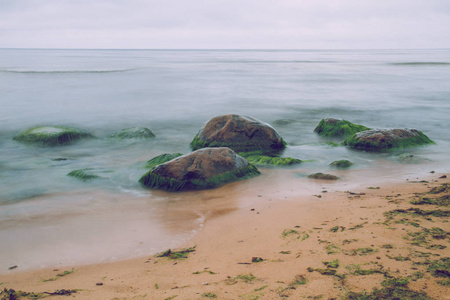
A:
(225, 23)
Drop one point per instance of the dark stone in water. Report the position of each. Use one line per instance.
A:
(51, 135)
(387, 139)
(240, 133)
(331, 127)
(341, 164)
(133, 133)
(202, 169)
(323, 176)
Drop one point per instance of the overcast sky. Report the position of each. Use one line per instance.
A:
(225, 24)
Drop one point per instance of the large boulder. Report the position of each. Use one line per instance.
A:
(202, 169)
(387, 139)
(51, 135)
(331, 127)
(242, 134)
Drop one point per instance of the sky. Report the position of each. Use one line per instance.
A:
(225, 24)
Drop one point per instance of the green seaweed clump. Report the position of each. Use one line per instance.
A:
(393, 289)
(272, 161)
(180, 254)
(51, 135)
(341, 164)
(155, 181)
(323, 176)
(83, 174)
(330, 127)
(440, 268)
(160, 159)
(133, 133)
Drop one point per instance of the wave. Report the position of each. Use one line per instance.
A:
(67, 71)
(422, 63)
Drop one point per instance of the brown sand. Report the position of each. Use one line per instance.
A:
(293, 238)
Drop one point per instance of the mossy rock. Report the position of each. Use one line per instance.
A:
(202, 169)
(381, 140)
(331, 127)
(323, 176)
(133, 133)
(239, 133)
(272, 161)
(160, 159)
(51, 135)
(342, 164)
(84, 174)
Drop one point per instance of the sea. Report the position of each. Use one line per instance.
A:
(49, 219)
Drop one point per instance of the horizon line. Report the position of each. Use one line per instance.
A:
(223, 49)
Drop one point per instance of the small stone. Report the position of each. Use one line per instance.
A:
(99, 283)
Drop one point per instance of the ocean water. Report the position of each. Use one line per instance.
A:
(50, 219)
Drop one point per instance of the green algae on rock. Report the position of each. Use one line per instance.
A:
(240, 133)
(341, 164)
(133, 133)
(380, 140)
(323, 176)
(160, 159)
(202, 169)
(51, 135)
(83, 174)
(331, 127)
(272, 161)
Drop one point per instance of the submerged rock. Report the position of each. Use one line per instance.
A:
(331, 127)
(160, 159)
(341, 164)
(323, 176)
(387, 139)
(133, 133)
(202, 169)
(51, 135)
(242, 134)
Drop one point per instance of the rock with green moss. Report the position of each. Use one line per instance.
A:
(272, 161)
(323, 176)
(133, 133)
(160, 159)
(342, 164)
(380, 140)
(202, 169)
(240, 133)
(51, 135)
(331, 127)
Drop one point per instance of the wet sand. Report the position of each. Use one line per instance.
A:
(289, 236)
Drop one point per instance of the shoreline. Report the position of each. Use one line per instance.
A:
(288, 241)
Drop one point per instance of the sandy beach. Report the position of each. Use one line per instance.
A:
(381, 240)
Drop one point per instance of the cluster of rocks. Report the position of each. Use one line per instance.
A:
(227, 148)
(360, 137)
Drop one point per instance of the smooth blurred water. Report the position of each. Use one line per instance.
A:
(173, 92)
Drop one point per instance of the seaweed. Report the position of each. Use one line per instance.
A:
(393, 289)
(329, 127)
(180, 254)
(439, 201)
(246, 278)
(155, 181)
(65, 273)
(341, 164)
(160, 159)
(51, 135)
(440, 268)
(273, 161)
(209, 295)
(83, 174)
(332, 264)
(198, 143)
